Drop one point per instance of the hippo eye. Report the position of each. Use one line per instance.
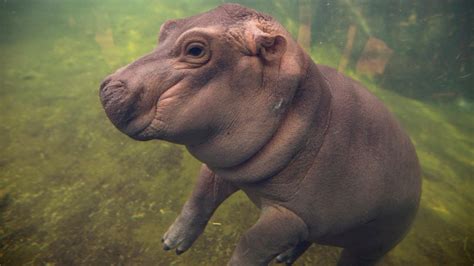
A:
(195, 50)
(195, 54)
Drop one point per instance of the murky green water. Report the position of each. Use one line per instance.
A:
(74, 190)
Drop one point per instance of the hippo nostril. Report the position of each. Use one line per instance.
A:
(104, 83)
(109, 86)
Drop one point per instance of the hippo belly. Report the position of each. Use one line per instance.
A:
(365, 180)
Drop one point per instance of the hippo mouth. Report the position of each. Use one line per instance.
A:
(134, 111)
(131, 111)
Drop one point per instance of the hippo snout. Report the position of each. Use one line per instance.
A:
(122, 106)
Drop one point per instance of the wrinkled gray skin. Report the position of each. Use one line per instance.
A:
(319, 155)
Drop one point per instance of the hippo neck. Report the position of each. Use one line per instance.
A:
(306, 119)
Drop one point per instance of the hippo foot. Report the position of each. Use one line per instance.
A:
(291, 255)
(183, 232)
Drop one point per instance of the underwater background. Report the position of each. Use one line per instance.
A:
(76, 191)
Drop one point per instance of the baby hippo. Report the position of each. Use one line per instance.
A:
(321, 157)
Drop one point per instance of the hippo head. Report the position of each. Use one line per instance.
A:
(218, 82)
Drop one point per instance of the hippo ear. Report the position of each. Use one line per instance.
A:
(270, 47)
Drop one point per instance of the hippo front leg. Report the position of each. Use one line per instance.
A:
(291, 255)
(277, 230)
(209, 192)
